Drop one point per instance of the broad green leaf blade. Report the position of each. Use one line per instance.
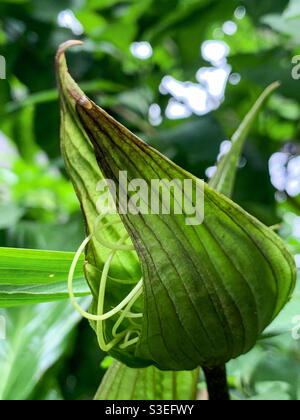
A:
(209, 289)
(123, 383)
(29, 276)
(36, 336)
(224, 178)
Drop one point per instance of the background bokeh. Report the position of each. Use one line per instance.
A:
(181, 74)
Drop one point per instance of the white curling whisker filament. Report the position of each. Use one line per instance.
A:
(122, 308)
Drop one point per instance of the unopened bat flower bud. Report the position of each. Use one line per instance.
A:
(208, 288)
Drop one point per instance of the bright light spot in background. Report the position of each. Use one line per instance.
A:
(197, 99)
(285, 173)
(293, 177)
(141, 50)
(229, 27)
(214, 79)
(297, 260)
(208, 94)
(240, 12)
(190, 96)
(293, 187)
(203, 97)
(67, 19)
(173, 86)
(176, 110)
(215, 51)
(234, 79)
(210, 171)
(277, 170)
(155, 117)
(224, 148)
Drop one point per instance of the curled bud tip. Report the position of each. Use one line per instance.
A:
(65, 46)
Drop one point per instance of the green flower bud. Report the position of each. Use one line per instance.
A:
(208, 289)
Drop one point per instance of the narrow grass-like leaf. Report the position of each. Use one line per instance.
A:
(224, 178)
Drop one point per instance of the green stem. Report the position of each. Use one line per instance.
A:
(217, 386)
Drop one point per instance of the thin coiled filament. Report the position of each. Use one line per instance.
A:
(131, 334)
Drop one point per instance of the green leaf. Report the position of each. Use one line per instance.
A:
(210, 289)
(123, 383)
(224, 178)
(36, 337)
(29, 276)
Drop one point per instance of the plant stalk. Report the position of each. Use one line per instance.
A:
(217, 386)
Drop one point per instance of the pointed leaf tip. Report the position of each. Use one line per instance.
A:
(224, 178)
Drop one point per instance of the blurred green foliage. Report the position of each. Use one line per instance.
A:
(38, 208)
